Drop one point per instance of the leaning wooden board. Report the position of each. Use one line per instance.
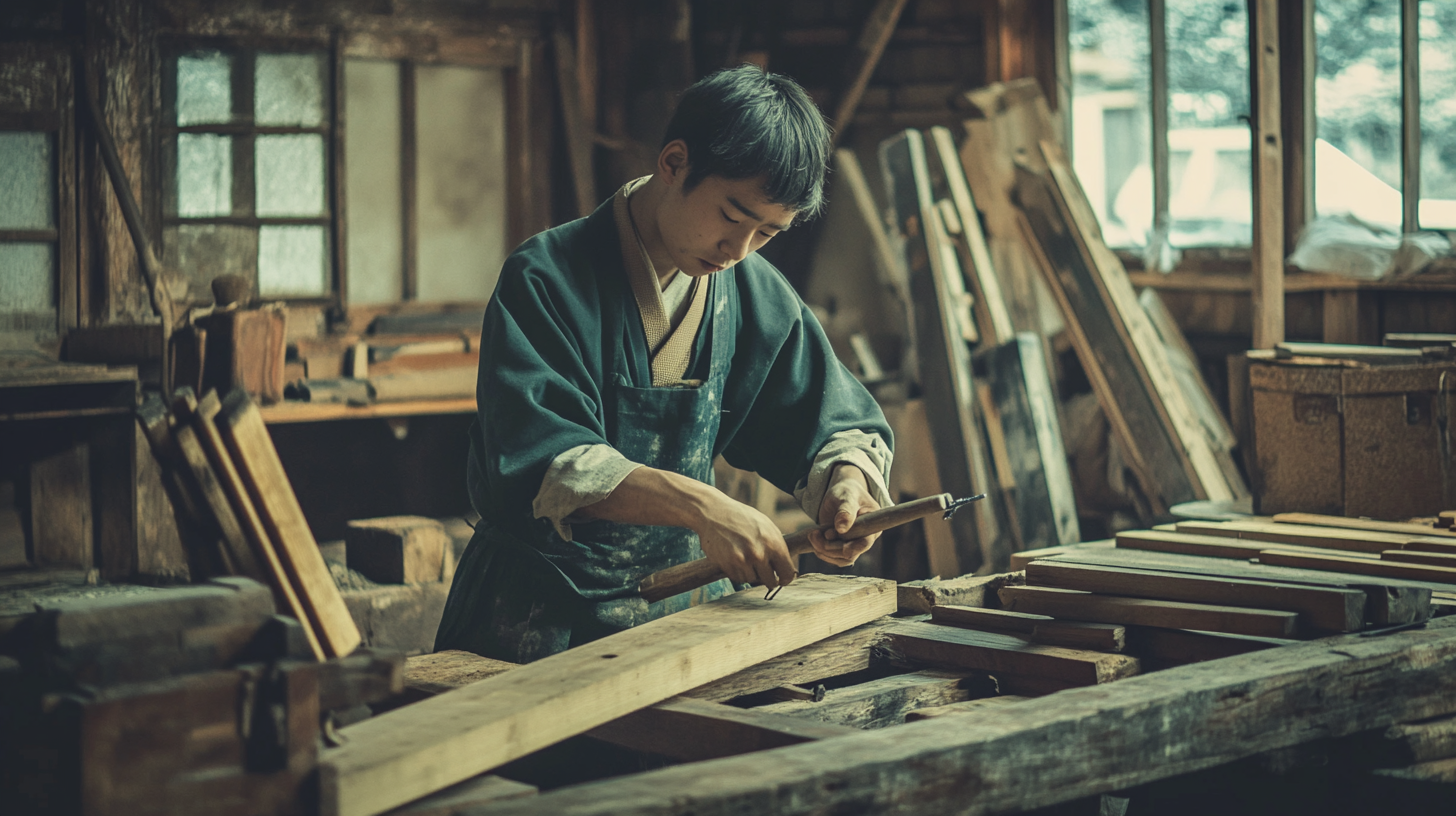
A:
(1069, 604)
(243, 431)
(402, 755)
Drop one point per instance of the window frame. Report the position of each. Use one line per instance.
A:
(57, 120)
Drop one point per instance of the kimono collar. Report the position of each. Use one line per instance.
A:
(671, 350)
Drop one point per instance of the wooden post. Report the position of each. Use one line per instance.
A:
(1267, 279)
(408, 184)
(1162, 183)
(1410, 115)
(866, 56)
(1296, 89)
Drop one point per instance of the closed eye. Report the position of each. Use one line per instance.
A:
(726, 218)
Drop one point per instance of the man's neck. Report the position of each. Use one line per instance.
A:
(643, 205)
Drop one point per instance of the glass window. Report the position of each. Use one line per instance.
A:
(1210, 183)
(1357, 110)
(27, 277)
(292, 261)
(204, 174)
(27, 180)
(289, 90)
(290, 170)
(461, 181)
(1111, 137)
(371, 148)
(1438, 114)
(204, 89)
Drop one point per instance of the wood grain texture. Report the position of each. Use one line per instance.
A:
(1080, 743)
(1389, 601)
(1360, 566)
(965, 707)
(1268, 174)
(885, 702)
(1329, 538)
(1072, 605)
(937, 645)
(242, 430)
(1399, 527)
(1215, 546)
(1043, 629)
(847, 652)
(402, 755)
(1325, 608)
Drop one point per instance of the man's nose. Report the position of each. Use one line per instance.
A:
(737, 246)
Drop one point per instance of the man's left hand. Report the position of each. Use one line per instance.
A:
(847, 498)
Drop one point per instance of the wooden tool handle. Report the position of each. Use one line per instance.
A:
(687, 577)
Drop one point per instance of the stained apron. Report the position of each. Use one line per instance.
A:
(522, 600)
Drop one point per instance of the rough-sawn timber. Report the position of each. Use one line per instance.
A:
(1078, 743)
(404, 754)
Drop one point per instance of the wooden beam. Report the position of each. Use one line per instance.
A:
(1399, 527)
(1410, 115)
(682, 728)
(998, 654)
(1267, 293)
(1207, 546)
(865, 57)
(1388, 601)
(883, 702)
(966, 707)
(1043, 629)
(1079, 743)
(1360, 566)
(578, 132)
(1085, 606)
(1435, 559)
(1328, 538)
(401, 755)
(1326, 608)
(843, 653)
(920, 597)
(1296, 96)
(1179, 647)
(242, 430)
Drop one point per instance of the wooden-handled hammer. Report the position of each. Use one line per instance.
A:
(687, 577)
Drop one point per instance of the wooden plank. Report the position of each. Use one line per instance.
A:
(991, 309)
(237, 554)
(1079, 743)
(1073, 605)
(1399, 527)
(868, 48)
(1153, 455)
(1178, 647)
(1043, 629)
(1267, 294)
(242, 430)
(1005, 654)
(463, 797)
(1389, 601)
(402, 755)
(919, 597)
(1435, 559)
(1329, 609)
(682, 728)
(1328, 538)
(841, 654)
(1360, 566)
(1214, 546)
(204, 421)
(885, 702)
(1432, 544)
(1436, 772)
(945, 361)
(1145, 348)
(965, 707)
(1410, 120)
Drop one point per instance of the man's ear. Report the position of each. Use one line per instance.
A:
(672, 162)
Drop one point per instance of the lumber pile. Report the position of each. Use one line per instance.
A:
(225, 476)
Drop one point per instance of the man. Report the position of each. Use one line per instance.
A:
(622, 352)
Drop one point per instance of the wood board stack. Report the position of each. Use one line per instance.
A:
(909, 706)
(224, 476)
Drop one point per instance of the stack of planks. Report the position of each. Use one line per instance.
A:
(224, 476)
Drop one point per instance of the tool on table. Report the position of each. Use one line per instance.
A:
(687, 577)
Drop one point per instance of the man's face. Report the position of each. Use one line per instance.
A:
(718, 223)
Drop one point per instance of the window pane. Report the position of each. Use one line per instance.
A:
(461, 185)
(371, 154)
(27, 180)
(1111, 137)
(290, 174)
(289, 89)
(204, 174)
(27, 277)
(1212, 201)
(292, 261)
(204, 89)
(1438, 115)
(1357, 110)
(201, 252)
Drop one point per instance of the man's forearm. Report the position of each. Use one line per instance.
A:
(656, 497)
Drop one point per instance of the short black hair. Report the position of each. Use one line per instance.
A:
(744, 122)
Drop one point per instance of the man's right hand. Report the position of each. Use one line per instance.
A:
(745, 544)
